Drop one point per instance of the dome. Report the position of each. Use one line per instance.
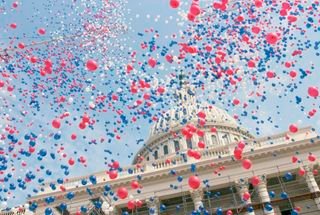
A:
(161, 144)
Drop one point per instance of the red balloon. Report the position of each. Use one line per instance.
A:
(313, 91)
(293, 128)
(246, 163)
(13, 25)
(246, 196)
(272, 38)
(190, 152)
(113, 174)
(195, 9)
(115, 164)
(71, 162)
(255, 180)
(197, 155)
(152, 62)
(301, 172)
(229, 212)
(139, 203)
(201, 145)
(135, 185)
(131, 204)
(194, 182)
(241, 145)
(122, 192)
(56, 123)
(202, 114)
(174, 3)
(294, 159)
(91, 65)
(293, 74)
(42, 31)
(312, 158)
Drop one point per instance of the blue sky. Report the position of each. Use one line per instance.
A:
(62, 18)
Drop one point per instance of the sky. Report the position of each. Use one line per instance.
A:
(29, 109)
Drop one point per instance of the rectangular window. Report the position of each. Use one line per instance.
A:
(155, 155)
(189, 143)
(165, 150)
(176, 145)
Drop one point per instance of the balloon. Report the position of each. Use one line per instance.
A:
(135, 185)
(255, 180)
(71, 161)
(122, 192)
(115, 164)
(113, 174)
(194, 182)
(312, 158)
(246, 164)
(272, 38)
(195, 9)
(174, 3)
(246, 196)
(152, 62)
(42, 31)
(131, 204)
(91, 65)
(139, 203)
(301, 172)
(313, 91)
(293, 128)
(56, 123)
(201, 145)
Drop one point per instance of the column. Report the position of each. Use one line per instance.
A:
(242, 187)
(262, 191)
(312, 184)
(197, 196)
(107, 208)
(153, 205)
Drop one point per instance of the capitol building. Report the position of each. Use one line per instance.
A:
(282, 180)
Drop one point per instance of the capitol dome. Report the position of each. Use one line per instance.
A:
(166, 140)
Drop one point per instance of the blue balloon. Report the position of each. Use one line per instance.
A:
(284, 195)
(272, 194)
(48, 211)
(294, 212)
(219, 211)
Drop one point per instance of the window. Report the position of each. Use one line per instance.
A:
(176, 145)
(225, 139)
(189, 143)
(155, 154)
(165, 150)
(214, 140)
(148, 158)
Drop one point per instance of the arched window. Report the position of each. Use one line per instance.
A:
(225, 139)
(165, 150)
(214, 140)
(189, 143)
(176, 145)
(155, 154)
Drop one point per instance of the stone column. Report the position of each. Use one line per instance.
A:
(262, 191)
(197, 196)
(312, 184)
(242, 187)
(107, 208)
(153, 205)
